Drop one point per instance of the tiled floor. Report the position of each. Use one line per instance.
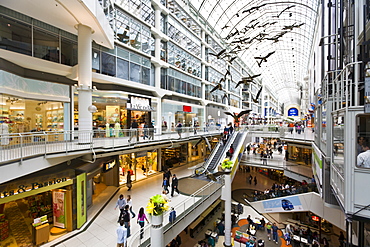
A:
(102, 231)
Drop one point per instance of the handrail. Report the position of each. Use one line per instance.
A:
(184, 207)
(17, 146)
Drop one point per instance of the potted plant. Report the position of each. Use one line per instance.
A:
(227, 164)
(156, 207)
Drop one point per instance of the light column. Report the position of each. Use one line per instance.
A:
(156, 231)
(227, 197)
(84, 84)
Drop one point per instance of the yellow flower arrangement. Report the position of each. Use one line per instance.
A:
(227, 164)
(157, 205)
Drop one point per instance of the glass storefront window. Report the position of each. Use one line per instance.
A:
(27, 115)
(122, 69)
(69, 52)
(135, 72)
(362, 141)
(140, 165)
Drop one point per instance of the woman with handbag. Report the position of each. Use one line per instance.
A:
(141, 217)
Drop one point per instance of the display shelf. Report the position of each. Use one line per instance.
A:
(55, 119)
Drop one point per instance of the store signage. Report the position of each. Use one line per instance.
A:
(186, 108)
(315, 218)
(33, 186)
(109, 165)
(140, 104)
(293, 112)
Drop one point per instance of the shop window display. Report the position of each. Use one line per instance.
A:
(140, 165)
(26, 115)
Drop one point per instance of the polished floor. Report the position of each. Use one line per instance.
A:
(101, 230)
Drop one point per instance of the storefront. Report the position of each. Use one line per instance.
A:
(99, 175)
(140, 109)
(140, 165)
(36, 209)
(28, 105)
(117, 107)
(216, 115)
(299, 153)
(186, 113)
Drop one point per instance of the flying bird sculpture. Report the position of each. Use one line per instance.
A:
(292, 26)
(255, 100)
(217, 87)
(218, 55)
(263, 59)
(289, 7)
(239, 115)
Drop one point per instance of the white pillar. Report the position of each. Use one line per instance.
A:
(157, 19)
(159, 117)
(84, 83)
(157, 48)
(227, 198)
(156, 231)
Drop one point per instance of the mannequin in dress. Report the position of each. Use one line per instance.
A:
(107, 130)
(117, 128)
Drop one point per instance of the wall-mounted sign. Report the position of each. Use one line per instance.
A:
(33, 186)
(186, 108)
(293, 112)
(109, 165)
(139, 104)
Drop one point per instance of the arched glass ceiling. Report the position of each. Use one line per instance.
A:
(262, 21)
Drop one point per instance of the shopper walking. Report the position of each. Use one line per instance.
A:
(165, 185)
(255, 180)
(121, 234)
(268, 228)
(250, 179)
(141, 218)
(179, 128)
(128, 181)
(129, 202)
(126, 219)
(175, 185)
(121, 203)
(275, 229)
(134, 132)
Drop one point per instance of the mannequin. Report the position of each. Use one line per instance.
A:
(107, 130)
(4, 130)
(117, 128)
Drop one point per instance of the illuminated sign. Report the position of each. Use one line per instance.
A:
(109, 165)
(293, 112)
(33, 186)
(315, 218)
(140, 104)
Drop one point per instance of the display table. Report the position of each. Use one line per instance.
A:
(41, 234)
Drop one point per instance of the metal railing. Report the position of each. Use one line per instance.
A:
(183, 209)
(17, 146)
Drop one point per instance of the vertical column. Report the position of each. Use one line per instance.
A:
(227, 198)
(157, 18)
(157, 48)
(156, 231)
(159, 159)
(159, 113)
(84, 83)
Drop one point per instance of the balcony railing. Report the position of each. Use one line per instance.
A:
(17, 146)
(183, 209)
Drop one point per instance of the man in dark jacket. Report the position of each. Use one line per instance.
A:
(126, 219)
(175, 184)
(134, 133)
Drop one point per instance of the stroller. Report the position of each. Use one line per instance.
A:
(261, 243)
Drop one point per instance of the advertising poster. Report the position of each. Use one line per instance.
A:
(286, 204)
(59, 209)
(112, 114)
(81, 199)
